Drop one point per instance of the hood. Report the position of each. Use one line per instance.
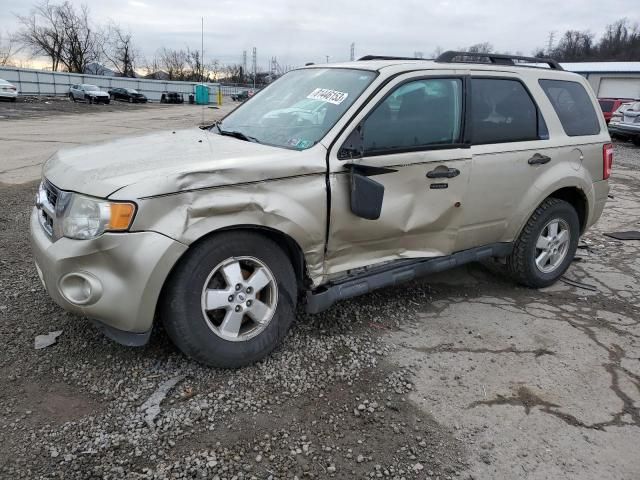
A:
(170, 162)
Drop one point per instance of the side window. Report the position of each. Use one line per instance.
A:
(503, 111)
(573, 106)
(417, 114)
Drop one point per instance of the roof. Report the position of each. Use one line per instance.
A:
(391, 67)
(602, 67)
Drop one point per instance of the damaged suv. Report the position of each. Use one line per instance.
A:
(331, 182)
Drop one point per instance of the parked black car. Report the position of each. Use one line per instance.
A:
(240, 97)
(127, 94)
(172, 97)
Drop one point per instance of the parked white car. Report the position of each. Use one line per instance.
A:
(89, 93)
(8, 90)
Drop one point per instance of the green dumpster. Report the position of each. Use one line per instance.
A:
(202, 95)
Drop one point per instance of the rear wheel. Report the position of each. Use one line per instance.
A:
(230, 300)
(636, 140)
(130, 100)
(547, 244)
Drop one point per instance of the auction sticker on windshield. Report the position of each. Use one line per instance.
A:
(328, 95)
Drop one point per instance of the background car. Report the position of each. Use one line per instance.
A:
(127, 94)
(241, 96)
(626, 122)
(8, 90)
(172, 97)
(610, 105)
(89, 93)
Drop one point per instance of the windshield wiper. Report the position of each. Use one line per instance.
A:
(236, 134)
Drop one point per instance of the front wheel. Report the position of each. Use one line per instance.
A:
(230, 300)
(547, 244)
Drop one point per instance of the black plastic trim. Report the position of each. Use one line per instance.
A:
(128, 339)
(395, 273)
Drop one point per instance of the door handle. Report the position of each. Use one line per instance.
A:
(538, 159)
(443, 172)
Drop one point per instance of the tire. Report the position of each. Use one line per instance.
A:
(522, 264)
(130, 100)
(111, 97)
(200, 335)
(636, 140)
(72, 98)
(13, 100)
(107, 102)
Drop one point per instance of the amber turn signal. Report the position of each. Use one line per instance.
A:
(121, 215)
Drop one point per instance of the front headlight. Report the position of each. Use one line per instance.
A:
(86, 217)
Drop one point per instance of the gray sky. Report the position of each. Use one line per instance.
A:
(299, 31)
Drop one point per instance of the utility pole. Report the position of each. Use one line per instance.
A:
(202, 53)
(418, 54)
(327, 56)
(254, 58)
(352, 57)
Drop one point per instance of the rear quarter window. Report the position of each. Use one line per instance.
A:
(573, 106)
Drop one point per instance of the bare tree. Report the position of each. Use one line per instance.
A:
(42, 32)
(8, 48)
(195, 66)
(82, 43)
(214, 68)
(61, 33)
(119, 50)
(174, 62)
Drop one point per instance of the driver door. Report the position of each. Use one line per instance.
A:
(411, 141)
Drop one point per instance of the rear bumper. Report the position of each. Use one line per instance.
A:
(115, 279)
(625, 129)
(600, 195)
(9, 94)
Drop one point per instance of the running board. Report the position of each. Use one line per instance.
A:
(396, 273)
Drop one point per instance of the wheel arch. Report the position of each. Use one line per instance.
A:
(291, 248)
(577, 199)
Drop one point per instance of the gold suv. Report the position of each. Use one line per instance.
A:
(331, 182)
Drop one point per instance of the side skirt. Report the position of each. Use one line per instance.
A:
(396, 273)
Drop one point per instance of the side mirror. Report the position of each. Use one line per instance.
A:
(353, 146)
(366, 195)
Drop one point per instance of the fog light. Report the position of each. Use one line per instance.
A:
(80, 288)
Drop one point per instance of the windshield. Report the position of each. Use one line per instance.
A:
(300, 108)
(91, 88)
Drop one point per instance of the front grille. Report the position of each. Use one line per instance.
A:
(46, 202)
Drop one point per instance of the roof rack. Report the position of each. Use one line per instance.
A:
(497, 58)
(384, 57)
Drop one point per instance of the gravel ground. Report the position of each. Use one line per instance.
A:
(325, 404)
(332, 401)
(37, 107)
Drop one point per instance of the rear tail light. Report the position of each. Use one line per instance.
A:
(607, 160)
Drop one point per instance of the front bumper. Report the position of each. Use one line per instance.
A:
(115, 279)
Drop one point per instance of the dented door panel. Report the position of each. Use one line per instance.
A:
(420, 216)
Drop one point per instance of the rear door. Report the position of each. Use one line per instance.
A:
(413, 140)
(510, 150)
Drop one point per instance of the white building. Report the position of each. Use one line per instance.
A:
(610, 79)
